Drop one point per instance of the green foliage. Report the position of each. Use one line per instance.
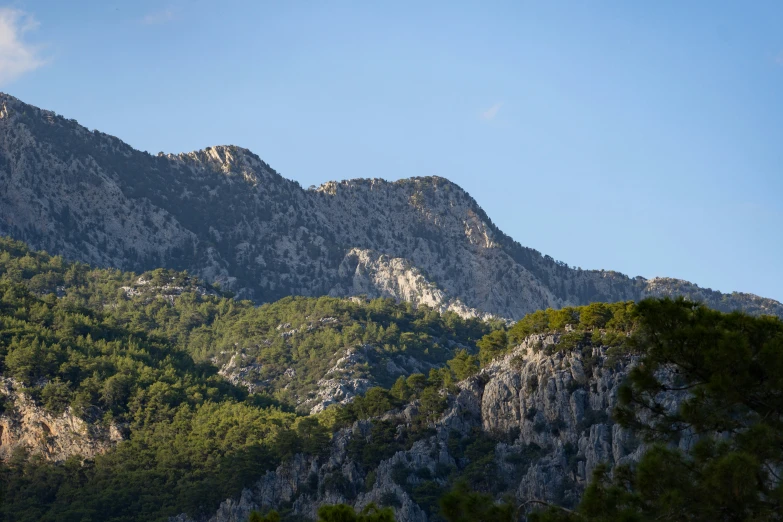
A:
(416, 382)
(572, 340)
(400, 389)
(405, 388)
(492, 345)
(478, 450)
(311, 436)
(56, 396)
(390, 498)
(441, 378)
(194, 439)
(536, 322)
(272, 516)
(595, 315)
(190, 463)
(427, 495)
(558, 319)
(614, 316)
(76, 339)
(732, 367)
(615, 320)
(75, 356)
(383, 442)
(306, 335)
(374, 403)
(463, 505)
(400, 473)
(345, 513)
(463, 365)
(432, 403)
(524, 457)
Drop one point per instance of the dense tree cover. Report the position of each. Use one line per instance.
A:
(459, 504)
(66, 355)
(609, 323)
(306, 335)
(77, 339)
(272, 516)
(428, 392)
(609, 316)
(462, 504)
(492, 345)
(188, 464)
(344, 513)
(194, 439)
(731, 366)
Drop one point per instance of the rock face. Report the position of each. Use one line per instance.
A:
(367, 272)
(23, 425)
(241, 372)
(546, 415)
(227, 216)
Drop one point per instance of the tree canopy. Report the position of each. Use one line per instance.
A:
(718, 454)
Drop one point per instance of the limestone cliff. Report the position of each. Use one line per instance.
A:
(545, 411)
(26, 426)
(225, 215)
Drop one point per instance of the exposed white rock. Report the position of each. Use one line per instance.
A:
(241, 370)
(342, 382)
(377, 275)
(228, 217)
(550, 413)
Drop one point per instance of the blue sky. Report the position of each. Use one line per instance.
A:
(645, 137)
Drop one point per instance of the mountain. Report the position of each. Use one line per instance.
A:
(113, 406)
(308, 353)
(534, 424)
(106, 379)
(117, 369)
(223, 214)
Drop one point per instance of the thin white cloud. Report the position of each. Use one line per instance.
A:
(17, 57)
(159, 17)
(490, 113)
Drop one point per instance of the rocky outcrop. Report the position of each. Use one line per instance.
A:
(241, 370)
(228, 217)
(372, 273)
(26, 426)
(544, 412)
(343, 381)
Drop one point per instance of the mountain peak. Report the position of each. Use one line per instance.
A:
(230, 160)
(225, 215)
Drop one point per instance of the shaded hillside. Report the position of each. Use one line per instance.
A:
(307, 352)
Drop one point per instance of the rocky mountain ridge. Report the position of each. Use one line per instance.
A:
(541, 414)
(225, 215)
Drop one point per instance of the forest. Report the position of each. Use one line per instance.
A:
(141, 352)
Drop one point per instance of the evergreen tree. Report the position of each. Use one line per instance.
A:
(731, 367)
(345, 513)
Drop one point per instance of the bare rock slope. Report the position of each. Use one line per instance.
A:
(542, 414)
(225, 215)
